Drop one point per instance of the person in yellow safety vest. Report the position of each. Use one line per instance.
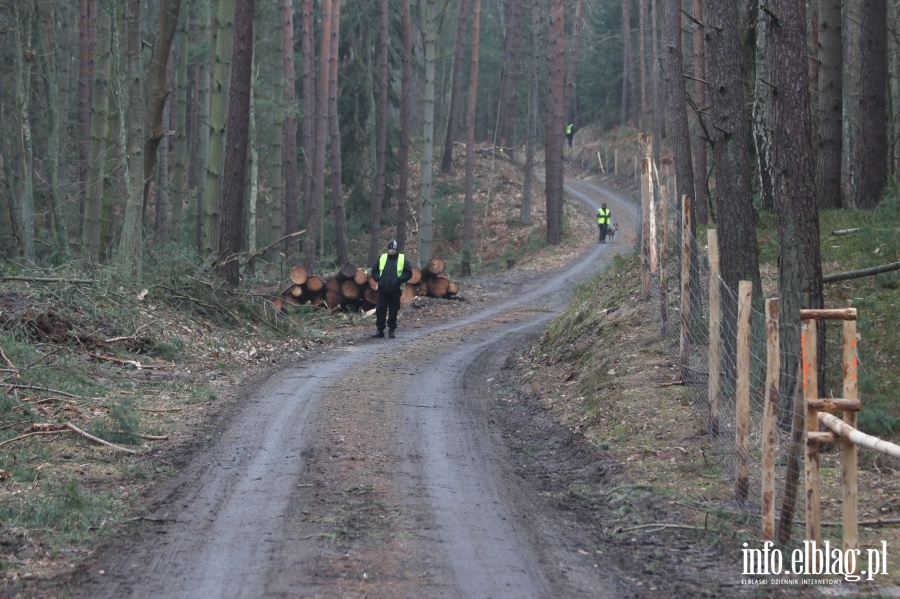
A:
(391, 271)
(603, 222)
(570, 133)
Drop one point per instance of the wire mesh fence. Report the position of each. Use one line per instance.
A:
(683, 315)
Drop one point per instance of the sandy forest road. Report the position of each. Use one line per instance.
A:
(377, 470)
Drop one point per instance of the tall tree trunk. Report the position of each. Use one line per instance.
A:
(799, 263)
(554, 139)
(734, 195)
(455, 86)
(48, 52)
(871, 149)
(232, 231)
(406, 79)
(289, 132)
(25, 16)
(533, 112)
(627, 64)
(100, 106)
(828, 165)
(381, 125)
(182, 93)
(681, 137)
(337, 167)
(852, 73)
(426, 215)
(512, 50)
(308, 126)
(655, 74)
(314, 204)
(217, 123)
(701, 187)
(87, 37)
(762, 113)
(204, 130)
(131, 243)
(469, 207)
(158, 92)
(571, 99)
(642, 58)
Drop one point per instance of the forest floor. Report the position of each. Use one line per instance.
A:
(635, 475)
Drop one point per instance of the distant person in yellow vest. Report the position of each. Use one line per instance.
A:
(570, 133)
(391, 271)
(603, 222)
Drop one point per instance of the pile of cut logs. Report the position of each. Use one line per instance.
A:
(353, 287)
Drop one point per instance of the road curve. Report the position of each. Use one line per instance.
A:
(226, 529)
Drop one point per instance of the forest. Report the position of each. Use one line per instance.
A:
(249, 135)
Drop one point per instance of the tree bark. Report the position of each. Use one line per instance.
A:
(455, 87)
(337, 191)
(289, 132)
(554, 139)
(512, 51)
(799, 262)
(828, 165)
(701, 186)
(93, 205)
(571, 100)
(381, 125)
(627, 65)
(681, 139)
(232, 231)
(406, 78)
(24, 213)
(426, 231)
(871, 150)
(469, 208)
(316, 201)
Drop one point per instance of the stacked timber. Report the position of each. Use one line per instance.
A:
(354, 288)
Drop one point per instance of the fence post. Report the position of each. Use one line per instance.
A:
(646, 192)
(770, 418)
(685, 283)
(851, 391)
(810, 392)
(715, 331)
(742, 395)
(663, 260)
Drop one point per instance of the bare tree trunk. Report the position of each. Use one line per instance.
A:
(314, 204)
(179, 172)
(469, 209)
(455, 87)
(381, 122)
(337, 192)
(512, 50)
(289, 132)
(871, 150)
(25, 16)
(828, 165)
(642, 57)
(100, 105)
(403, 185)
(158, 92)
(131, 243)
(554, 140)
(87, 41)
(762, 115)
(533, 112)
(429, 27)
(571, 100)
(232, 231)
(204, 131)
(217, 123)
(307, 131)
(627, 64)
(799, 262)
(681, 137)
(701, 186)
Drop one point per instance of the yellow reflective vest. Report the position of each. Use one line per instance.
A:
(602, 216)
(401, 260)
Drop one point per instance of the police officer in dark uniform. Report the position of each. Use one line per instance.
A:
(391, 271)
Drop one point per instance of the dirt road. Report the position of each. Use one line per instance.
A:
(395, 468)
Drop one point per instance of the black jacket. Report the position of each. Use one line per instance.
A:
(388, 281)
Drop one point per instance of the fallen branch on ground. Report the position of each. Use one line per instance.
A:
(50, 280)
(660, 525)
(77, 430)
(856, 274)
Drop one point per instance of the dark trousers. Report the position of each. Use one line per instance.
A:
(603, 229)
(388, 305)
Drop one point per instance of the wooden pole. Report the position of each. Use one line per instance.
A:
(742, 395)
(811, 391)
(646, 191)
(770, 419)
(663, 275)
(850, 361)
(715, 330)
(685, 283)
(616, 158)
